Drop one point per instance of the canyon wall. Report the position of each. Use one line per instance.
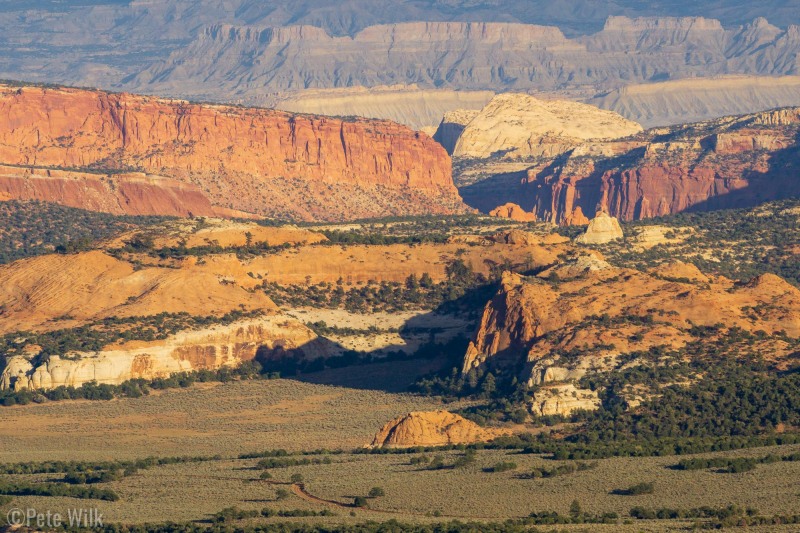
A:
(726, 163)
(255, 160)
(206, 349)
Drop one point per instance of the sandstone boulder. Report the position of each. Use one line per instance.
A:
(430, 428)
(576, 266)
(602, 229)
(516, 236)
(513, 212)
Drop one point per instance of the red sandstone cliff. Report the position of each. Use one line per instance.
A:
(131, 193)
(727, 163)
(720, 164)
(255, 160)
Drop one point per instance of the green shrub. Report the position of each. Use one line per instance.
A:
(635, 490)
(376, 492)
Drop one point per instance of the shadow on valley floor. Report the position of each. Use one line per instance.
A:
(388, 369)
(495, 190)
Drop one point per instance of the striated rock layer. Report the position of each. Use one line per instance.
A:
(695, 99)
(207, 349)
(130, 193)
(405, 104)
(247, 61)
(432, 428)
(726, 163)
(261, 161)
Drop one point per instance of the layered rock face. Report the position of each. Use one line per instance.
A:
(431, 428)
(595, 312)
(563, 400)
(254, 160)
(726, 163)
(502, 56)
(126, 37)
(130, 193)
(692, 100)
(520, 126)
(208, 349)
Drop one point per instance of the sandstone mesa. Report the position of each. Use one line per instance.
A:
(255, 160)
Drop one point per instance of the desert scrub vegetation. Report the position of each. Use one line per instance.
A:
(144, 243)
(503, 466)
(715, 518)
(134, 388)
(463, 289)
(426, 227)
(286, 462)
(733, 465)
(559, 470)
(735, 398)
(336, 237)
(439, 462)
(646, 487)
(19, 488)
(281, 452)
(30, 228)
(233, 514)
(739, 244)
(88, 472)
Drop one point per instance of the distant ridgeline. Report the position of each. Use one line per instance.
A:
(431, 54)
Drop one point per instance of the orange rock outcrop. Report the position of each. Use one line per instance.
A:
(576, 218)
(513, 212)
(255, 160)
(39, 291)
(531, 322)
(429, 428)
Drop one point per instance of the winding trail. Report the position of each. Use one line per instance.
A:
(299, 490)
